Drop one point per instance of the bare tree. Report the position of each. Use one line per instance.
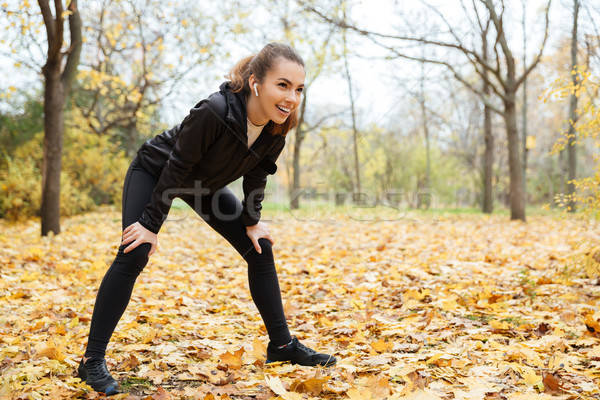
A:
(357, 188)
(317, 48)
(488, 155)
(571, 149)
(59, 77)
(524, 148)
(504, 82)
(426, 185)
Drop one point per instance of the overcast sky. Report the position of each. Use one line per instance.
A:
(378, 92)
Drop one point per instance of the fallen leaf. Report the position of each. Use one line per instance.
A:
(381, 346)
(313, 386)
(275, 384)
(359, 393)
(233, 361)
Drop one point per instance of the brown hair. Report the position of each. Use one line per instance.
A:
(259, 64)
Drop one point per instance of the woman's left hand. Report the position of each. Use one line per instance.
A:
(259, 231)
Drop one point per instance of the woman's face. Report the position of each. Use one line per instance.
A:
(280, 92)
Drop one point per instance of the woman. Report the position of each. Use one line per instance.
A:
(238, 131)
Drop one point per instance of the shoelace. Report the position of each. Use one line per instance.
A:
(97, 369)
(307, 349)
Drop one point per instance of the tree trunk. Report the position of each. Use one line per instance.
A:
(524, 105)
(54, 99)
(299, 138)
(357, 196)
(488, 155)
(131, 145)
(488, 159)
(572, 155)
(517, 192)
(423, 199)
(57, 86)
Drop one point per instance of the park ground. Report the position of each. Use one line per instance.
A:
(427, 305)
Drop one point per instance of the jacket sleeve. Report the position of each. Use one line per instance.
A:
(198, 132)
(254, 183)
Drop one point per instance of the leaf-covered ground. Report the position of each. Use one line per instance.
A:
(458, 307)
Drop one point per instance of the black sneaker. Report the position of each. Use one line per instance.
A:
(297, 353)
(94, 373)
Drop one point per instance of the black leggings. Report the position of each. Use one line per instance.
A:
(222, 211)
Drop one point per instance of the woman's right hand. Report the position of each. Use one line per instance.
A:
(136, 234)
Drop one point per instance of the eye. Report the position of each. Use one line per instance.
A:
(300, 90)
(282, 84)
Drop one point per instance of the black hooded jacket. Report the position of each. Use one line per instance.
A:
(206, 152)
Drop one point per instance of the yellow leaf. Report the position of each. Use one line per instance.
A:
(500, 325)
(259, 349)
(50, 349)
(381, 345)
(531, 378)
(417, 294)
(439, 359)
(358, 304)
(313, 386)
(234, 360)
(592, 324)
(419, 394)
(359, 393)
(275, 384)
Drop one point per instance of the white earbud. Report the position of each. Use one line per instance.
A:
(255, 90)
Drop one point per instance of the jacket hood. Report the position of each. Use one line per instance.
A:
(236, 107)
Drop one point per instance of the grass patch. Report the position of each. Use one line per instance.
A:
(479, 317)
(515, 320)
(322, 210)
(135, 383)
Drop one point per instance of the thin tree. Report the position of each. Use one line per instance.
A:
(58, 79)
(571, 149)
(524, 147)
(421, 198)
(505, 81)
(317, 48)
(488, 155)
(357, 187)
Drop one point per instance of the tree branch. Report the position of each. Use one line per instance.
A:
(74, 52)
(458, 77)
(538, 58)
(471, 55)
(48, 19)
(510, 61)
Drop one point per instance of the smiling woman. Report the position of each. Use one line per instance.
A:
(278, 75)
(236, 132)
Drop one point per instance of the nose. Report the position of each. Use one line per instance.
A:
(291, 96)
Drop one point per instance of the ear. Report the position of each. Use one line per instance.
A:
(251, 81)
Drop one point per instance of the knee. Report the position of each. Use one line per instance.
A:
(134, 261)
(264, 258)
(266, 250)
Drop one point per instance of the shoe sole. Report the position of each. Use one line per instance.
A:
(327, 364)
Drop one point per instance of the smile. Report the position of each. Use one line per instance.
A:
(283, 109)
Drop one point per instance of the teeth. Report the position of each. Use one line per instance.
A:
(284, 109)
